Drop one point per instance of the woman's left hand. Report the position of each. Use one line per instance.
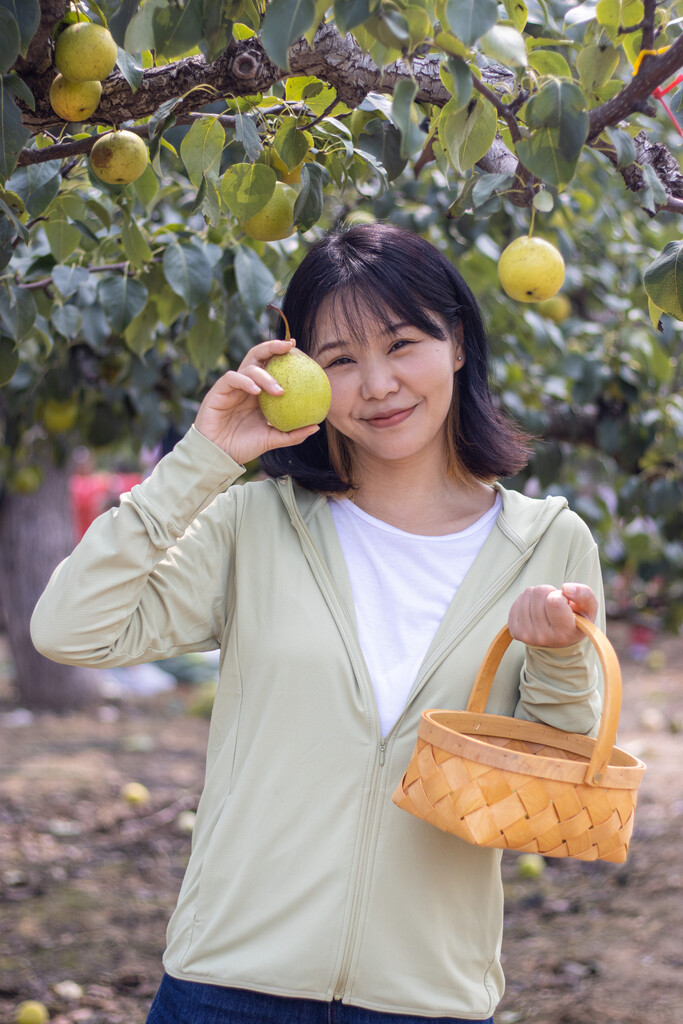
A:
(544, 616)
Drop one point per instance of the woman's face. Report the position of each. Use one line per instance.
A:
(391, 393)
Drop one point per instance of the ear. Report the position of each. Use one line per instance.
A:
(459, 348)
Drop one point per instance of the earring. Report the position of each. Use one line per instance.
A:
(459, 359)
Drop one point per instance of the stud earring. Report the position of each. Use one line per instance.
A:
(459, 359)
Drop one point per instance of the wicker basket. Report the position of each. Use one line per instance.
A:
(508, 783)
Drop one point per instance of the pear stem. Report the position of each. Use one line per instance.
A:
(533, 216)
(287, 334)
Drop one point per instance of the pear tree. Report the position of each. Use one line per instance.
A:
(124, 294)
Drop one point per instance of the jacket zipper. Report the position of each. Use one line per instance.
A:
(358, 882)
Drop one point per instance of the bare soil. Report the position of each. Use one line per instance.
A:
(87, 881)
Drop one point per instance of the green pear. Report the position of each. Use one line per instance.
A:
(119, 157)
(85, 51)
(307, 393)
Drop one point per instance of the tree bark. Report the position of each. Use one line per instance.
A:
(35, 535)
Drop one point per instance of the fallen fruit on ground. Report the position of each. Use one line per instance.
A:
(530, 865)
(74, 101)
(531, 269)
(31, 1012)
(307, 393)
(276, 219)
(135, 793)
(85, 51)
(119, 157)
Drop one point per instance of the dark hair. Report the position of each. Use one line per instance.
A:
(382, 270)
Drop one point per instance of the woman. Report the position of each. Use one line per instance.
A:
(359, 585)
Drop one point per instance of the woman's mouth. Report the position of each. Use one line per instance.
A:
(391, 418)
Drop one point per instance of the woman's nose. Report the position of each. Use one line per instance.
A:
(378, 380)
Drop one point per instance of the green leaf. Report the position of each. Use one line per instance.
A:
(505, 45)
(615, 14)
(290, 144)
(140, 334)
(405, 117)
(284, 23)
(487, 185)
(517, 12)
(134, 243)
(470, 19)
(209, 201)
(9, 360)
(561, 105)
(10, 40)
(217, 31)
(62, 236)
(457, 78)
(543, 201)
(130, 65)
(255, 282)
(382, 141)
(309, 204)
(655, 314)
(13, 134)
(66, 320)
(26, 14)
(206, 340)
(188, 272)
(17, 311)
(542, 156)
(624, 146)
(349, 13)
(547, 62)
(178, 29)
(596, 65)
(663, 280)
(147, 186)
(18, 88)
(246, 188)
(139, 31)
(299, 88)
(120, 19)
(37, 184)
(68, 279)
(201, 149)
(246, 133)
(122, 298)
(654, 194)
(467, 134)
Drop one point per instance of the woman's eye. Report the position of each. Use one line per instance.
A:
(341, 361)
(402, 343)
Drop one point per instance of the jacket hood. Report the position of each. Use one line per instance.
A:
(531, 516)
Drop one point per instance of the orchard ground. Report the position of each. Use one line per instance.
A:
(87, 881)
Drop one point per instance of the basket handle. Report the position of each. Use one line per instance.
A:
(611, 701)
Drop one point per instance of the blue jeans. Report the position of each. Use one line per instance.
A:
(188, 1002)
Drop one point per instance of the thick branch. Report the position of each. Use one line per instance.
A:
(653, 71)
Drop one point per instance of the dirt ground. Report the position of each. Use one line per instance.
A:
(87, 881)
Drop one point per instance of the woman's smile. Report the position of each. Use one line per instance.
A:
(389, 418)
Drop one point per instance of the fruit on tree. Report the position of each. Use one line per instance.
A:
(276, 219)
(31, 1012)
(307, 393)
(119, 157)
(530, 865)
(290, 176)
(85, 51)
(59, 417)
(74, 101)
(531, 269)
(25, 480)
(135, 793)
(558, 308)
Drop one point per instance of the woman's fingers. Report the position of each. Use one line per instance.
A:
(543, 616)
(262, 352)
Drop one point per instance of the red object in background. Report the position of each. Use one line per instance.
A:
(93, 493)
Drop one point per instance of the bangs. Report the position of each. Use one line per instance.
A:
(355, 311)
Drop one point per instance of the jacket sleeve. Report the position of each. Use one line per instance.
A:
(562, 686)
(150, 579)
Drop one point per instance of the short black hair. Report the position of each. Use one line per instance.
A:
(385, 270)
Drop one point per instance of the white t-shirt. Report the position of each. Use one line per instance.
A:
(402, 584)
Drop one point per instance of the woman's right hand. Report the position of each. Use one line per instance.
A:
(230, 414)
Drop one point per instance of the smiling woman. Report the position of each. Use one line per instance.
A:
(376, 280)
(358, 586)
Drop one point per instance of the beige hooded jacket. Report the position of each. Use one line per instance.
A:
(305, 879)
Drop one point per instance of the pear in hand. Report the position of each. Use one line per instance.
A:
(307, 393)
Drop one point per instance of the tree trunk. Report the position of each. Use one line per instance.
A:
(36, 533)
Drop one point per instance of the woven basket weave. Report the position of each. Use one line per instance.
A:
(508, 783)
